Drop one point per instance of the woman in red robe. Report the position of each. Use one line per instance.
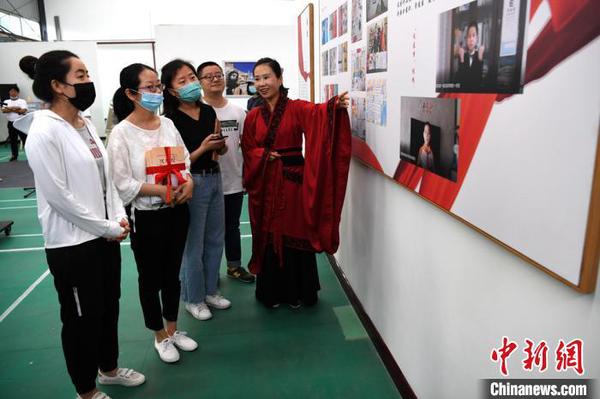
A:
(294, 202)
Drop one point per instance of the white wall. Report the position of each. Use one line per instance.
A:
(442, 295)
(134, 19)
(112, 58)
(10, 72)
(230, 43)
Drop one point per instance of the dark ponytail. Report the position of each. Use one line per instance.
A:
(53, 65)
(122, 106)
(167, 74)
(128, 79)
(27, 65)
(274, 65)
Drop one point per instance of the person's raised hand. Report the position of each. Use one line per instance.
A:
(344, 100)
(212, 142)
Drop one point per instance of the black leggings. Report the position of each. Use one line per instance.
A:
(233, 246)
(87, 278)
(157, 240)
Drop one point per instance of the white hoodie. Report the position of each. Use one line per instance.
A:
(70, 199)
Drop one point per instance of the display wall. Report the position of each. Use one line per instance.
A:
(509, 167)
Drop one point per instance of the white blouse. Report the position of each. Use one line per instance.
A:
(126, 151)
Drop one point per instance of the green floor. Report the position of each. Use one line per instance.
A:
(245, 352)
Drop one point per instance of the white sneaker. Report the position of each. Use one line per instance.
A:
(217, 301)
(199, 310)
(166, 350)
(183, 342)
(97, 395)
(124, 377)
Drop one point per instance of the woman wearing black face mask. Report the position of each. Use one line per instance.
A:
(83, 221)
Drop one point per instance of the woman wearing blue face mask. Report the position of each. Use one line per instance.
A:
(200, 130)
(158, 213)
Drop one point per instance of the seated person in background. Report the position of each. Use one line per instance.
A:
(425, 158)
(470, 60)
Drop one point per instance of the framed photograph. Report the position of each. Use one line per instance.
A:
(359, 69)
(343, 19)
(357, 118)
(376, 102)
(324, 31)
(375, 8)
(357, 18)
(325, 62)
(333, 60)
(481, 48)
(333, 23)
(239, 75)
(377, 51)
(330, 91)
(429, 134)
(343, 57)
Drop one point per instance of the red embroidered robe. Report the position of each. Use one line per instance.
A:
(293, 201)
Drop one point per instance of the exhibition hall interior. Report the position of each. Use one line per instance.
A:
(353, 199)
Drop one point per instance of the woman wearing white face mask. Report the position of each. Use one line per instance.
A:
(200, 130)
(159, 213)
(83, 221)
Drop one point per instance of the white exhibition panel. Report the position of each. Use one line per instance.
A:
(440, 294)
(10, 72)
(529, 182)
(135, 19)
(538, 191)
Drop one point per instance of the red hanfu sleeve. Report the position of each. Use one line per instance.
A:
(327, 161)
(253, 155)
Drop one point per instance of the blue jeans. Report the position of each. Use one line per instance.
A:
(199, 273)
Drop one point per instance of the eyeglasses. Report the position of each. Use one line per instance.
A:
(216, 76)
(152, 88)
